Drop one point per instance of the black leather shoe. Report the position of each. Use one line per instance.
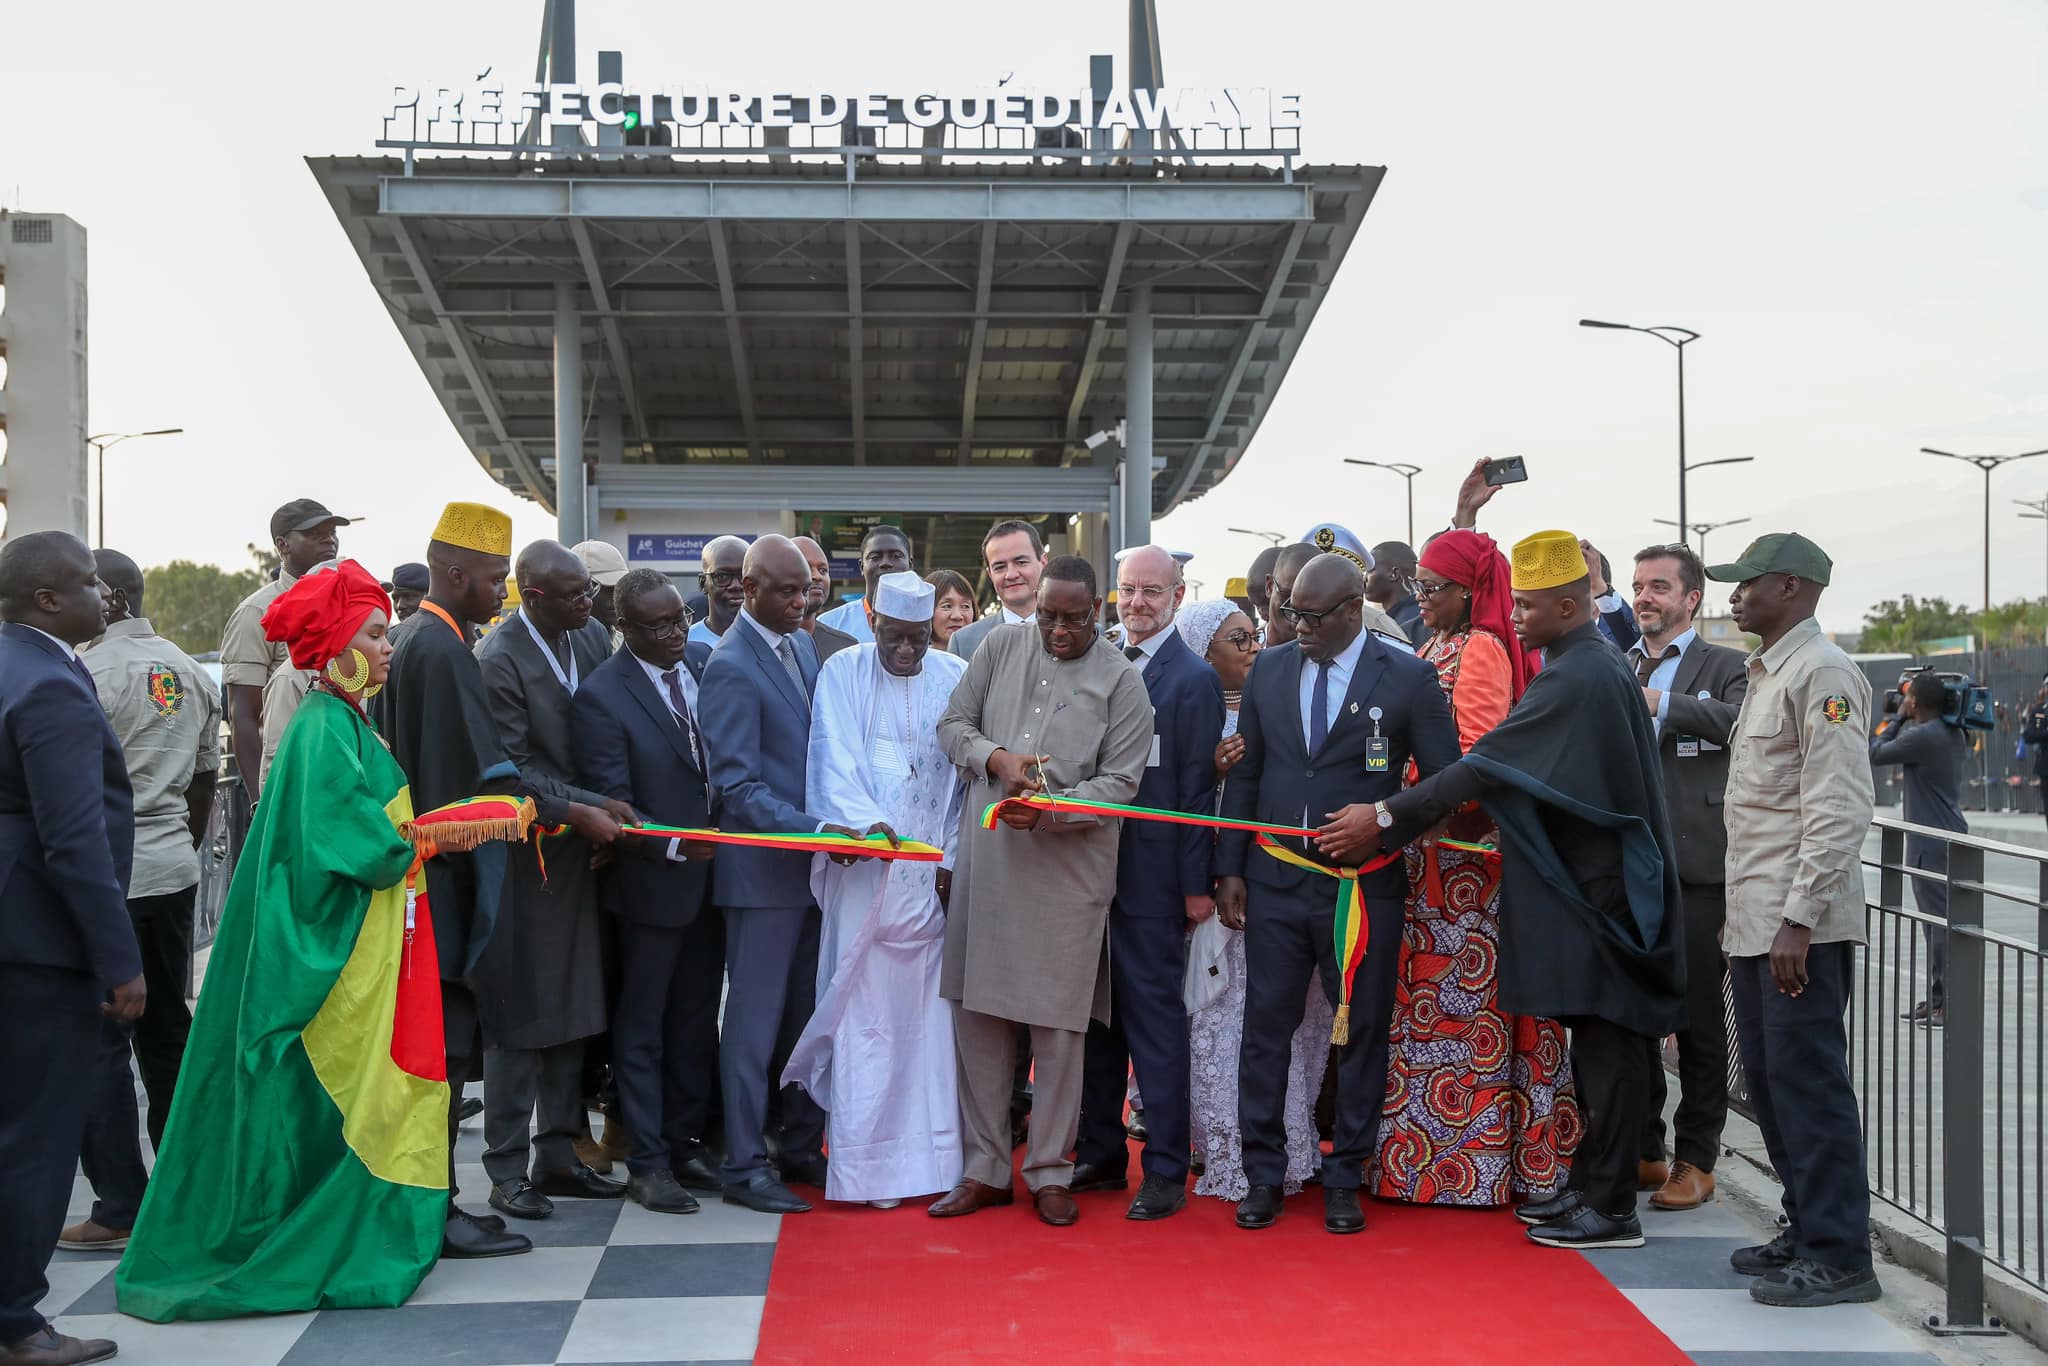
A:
(696, 1173)
(765, 1195)
(1259, 1208)
(807, 1170)
(1586, 1228)
(467, 1236)
(1135, 1127)
(1548, 1210)
(472, 1106)
(1806, 1284)
(660, 1194)
(1341, 1213)
(1158, 1197)
(1764, 1258)
(1098, 1176)
(520, 1200)
(578, 1183)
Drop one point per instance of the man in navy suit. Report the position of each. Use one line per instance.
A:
(637, 715)
(68, 954)
(1164, 880)
(1329, 723)
(757, 710)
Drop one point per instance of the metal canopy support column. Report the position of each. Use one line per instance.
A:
(984, 282)
(608, 325)
(735, 339)
(856, 338)
(1098, 332)
(569, 520)
(1138, 418)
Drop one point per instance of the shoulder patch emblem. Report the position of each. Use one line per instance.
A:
(1835, 709)
(166, 690)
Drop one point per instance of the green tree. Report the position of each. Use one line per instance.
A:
(1905, 625)
(266, 557)
(189, 603)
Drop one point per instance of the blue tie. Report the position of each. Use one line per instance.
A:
(1319, 710)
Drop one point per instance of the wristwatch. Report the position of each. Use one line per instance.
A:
(1383, 816)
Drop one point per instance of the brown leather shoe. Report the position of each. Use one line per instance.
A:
(591, 1153)
(1651, 1176)
(969, 1196)
(86, 1236)
(1687, 1188)
(1056, 1205)
(51, 1348)
(617, 1143)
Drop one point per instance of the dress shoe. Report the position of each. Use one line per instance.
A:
(467, 1236)
(48, 1347)
(1056, 1205)
(1764, 1258)
(86, 1236)
(1585, 1228)
(1688, 1188)
(591, 1153)
(1341, 1212)
(471, 1107)
(1651, 1176)
(763, 1194)
(1098, 1176)
(577, 1183)
(660, 1194)
(1918, 1013)
(617, 1143)
(696, 1173)
(1937, 1018)
(1259, 1208)
(1158, 1197)
(1136, 1129)
(1806, 1284)
(520, 1200)
(808, 1170)
(1549, 1208)
(969, 1196)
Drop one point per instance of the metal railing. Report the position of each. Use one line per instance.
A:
(1955, 1112)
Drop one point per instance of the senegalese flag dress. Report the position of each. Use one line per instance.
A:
(305, 1164)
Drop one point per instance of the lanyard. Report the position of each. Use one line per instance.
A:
(567, 680)
(437, 610)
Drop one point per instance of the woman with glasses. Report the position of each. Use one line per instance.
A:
(954, 607)
(1480, 1108)
(1224, 636)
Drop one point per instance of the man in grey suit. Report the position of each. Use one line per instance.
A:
(755, 704)
(1014, 555)
(1693, 690)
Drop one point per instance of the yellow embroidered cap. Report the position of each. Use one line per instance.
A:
(473, 526)
(1548, 559)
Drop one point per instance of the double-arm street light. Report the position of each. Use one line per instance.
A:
(1702, 528)
(1407, 473)
(1986, 463)
(99, 444)
(1270, 537)
(1677, 338)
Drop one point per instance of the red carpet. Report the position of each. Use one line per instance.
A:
(1418, 1286)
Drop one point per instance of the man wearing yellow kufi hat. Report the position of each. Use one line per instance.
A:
(1589, 871)
(437, 719)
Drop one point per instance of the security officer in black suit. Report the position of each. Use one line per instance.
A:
(1693, 690)
(2035, 732)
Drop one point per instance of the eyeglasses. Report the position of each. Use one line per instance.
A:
(1144, 592)
(1429, 588)
(1314, 620)
(722, 578)
(587, 593)
(1240, 640)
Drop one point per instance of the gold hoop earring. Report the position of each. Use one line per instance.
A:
(356, 677)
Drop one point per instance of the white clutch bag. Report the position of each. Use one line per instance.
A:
(1208, 971)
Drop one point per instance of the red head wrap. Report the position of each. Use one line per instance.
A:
(320, 614)
(1472, 560)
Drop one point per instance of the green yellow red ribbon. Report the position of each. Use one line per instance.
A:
(821, 842)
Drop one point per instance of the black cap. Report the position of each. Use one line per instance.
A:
(303, 514)
(411, 578)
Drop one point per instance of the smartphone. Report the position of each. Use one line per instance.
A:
(1508, 471)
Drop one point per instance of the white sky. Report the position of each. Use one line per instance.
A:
(1847, 198)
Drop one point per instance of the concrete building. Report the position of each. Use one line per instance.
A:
(43, 351)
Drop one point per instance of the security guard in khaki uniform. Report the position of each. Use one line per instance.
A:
(1798, 805)
(167, 716)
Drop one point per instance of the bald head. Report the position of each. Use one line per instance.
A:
(545, 558)
(1328, 576)
(724, 550)
(1255, 578)
(1148, 591)
(48, 580)
(123, 578)
(821, 573)
(777, 582)
(555, 590)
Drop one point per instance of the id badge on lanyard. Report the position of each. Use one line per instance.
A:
(1376, 747)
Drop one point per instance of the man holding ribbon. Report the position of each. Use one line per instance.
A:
(1329, 723)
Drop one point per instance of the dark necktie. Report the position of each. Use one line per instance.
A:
(677, 704)
(1319, 710)
(1645, 666)
(1134, 653)
(786, 652)
(85, 675)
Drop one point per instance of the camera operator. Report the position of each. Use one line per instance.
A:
(1934, 751)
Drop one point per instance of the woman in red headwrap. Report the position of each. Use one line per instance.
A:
(305, 1165)
(1480, 1108)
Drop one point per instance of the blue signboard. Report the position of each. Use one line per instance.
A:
(661, 548)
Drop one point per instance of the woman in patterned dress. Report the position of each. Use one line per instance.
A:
(1479, 1108)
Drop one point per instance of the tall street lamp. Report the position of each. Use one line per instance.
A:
(1270, 537)
(1407, 473)
(1986, 463)
(1702, 528)
(2037, 509)
(99, 444)
(1677, 338)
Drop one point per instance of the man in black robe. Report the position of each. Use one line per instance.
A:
(437, 718)
(1590, 929)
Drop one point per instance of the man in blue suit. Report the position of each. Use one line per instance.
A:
(757, 711)
(1164, 880)
(637, 718)
(1329, 723)
(68, 954)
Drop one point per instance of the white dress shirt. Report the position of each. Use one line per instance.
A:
(1012, 619)
(1150, 644)
(1666, 672)
(1341, 670)
(655, 675)
(69, 651)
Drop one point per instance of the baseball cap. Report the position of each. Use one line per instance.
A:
(303, 514)
(1781, 552)
(602, 561)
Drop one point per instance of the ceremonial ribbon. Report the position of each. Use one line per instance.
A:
(821, 842)
(1350, 927)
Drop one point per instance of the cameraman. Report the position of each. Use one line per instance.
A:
(1934, 752)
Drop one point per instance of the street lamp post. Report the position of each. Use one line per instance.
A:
(2037, 509)
(1407, 473)
(1702, 528)
(99, 444)
(1677, 338)
(1270, 537)
(1986, 463)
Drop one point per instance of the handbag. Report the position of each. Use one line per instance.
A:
(1208, 971)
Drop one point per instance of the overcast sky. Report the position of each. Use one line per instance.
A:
(1848, 200)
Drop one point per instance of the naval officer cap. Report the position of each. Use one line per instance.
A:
(903, 596)
(1332, 539)
(1781, 552)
